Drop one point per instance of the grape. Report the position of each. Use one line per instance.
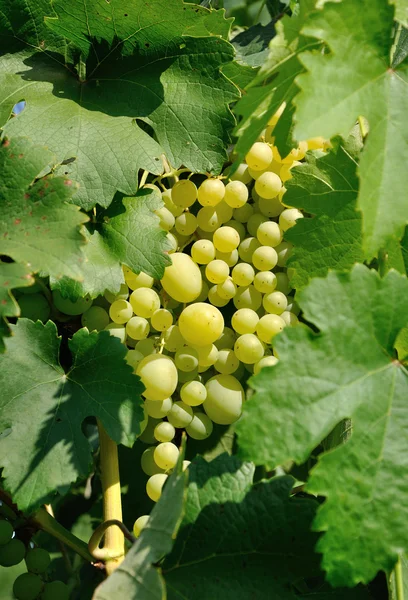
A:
(186, 224)
(120, 311)
(241, 174)
(265, 282)
(122, 294)
(296, 153)
(243, 274)
(148, 463)
(147, 435)
(225, 396)
(236, 194)
(95, 318)
(289, 318)
(173, 340)
(184, 193)
(203, 252)
(172, 243)
(227, 289)
(164, 432)
(264, 258)
(159, 376)
(226, 339)
(145, 302)
(167, 219)
(146, 346)
(259, 156)
(68, 307)
(247, 248)
(211, 192)
(227, 362)
(268, 326)
(12, 553)
(269, 234)
(254, 222)
(158, 408)
(208, 219)
(140, 524)
(185, 376)
(207, 355)
(231, 258)
(285, 173)
(168, 203)
(186, 359)
(268, 185)
(204, 292)
(217, 271)
(215, 298)
(55, 590)
(244, 320)
(37, 560)
(266, 361)
(272, 207)
(154, 486)
(239, 227)
(243, 214)
(293, 306)
(34, 307)
(201, 324)
(180, 414)
(247, 297)
(249, 349)
(284, 250)
(138, 328)
(166, 455)
(117, 330)
(275, 303)
(288, 218)
(133, 358)
(136, 281)
(224, 211)
(282, 283)
(6, 532)
(27, 586)
(201, 427)
(182, 279)
(193, 393)
(161, 319)
(226, 239)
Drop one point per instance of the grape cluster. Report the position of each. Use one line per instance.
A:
(33, 584)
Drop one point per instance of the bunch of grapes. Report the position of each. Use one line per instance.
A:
(33, 584)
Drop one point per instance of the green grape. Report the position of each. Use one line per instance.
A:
(154, 486)
(203, 252)
(34, 307)
(161, 319)
(290, 319)
(265, 282)
(243, 214)
(255, 222)
(27, 586)
(246, 249)
(148, 463)
(180, 414)
(226, 239)
(241, 174)
(184, 376)
(264, 258)
(224, 211)
(147, 436)
(227, 362)
(193, 393)
(208, 219)
(293, 306)
(186, 359)
(217, 271)
(95, 318)
(226, 339)
(117, 330)
(158, 408)
(55, 590)
(256, 174)
(144, 302)
(6, 532)
(215, 299)
(266, 361)
(182, 279)
(120, 311)
(244, 320)
(140, 524)
(173, 340)
(201, 324)
(268, 185)
(284, 250)
(70, 308)
(122, 294)
(282, 283)
(159, 376)
(37, 560)
(184, 193)
(172, 243)
(133, 358)
(164, 432)
(259, 156)
(249, 349)
(225, 397)
(269, 234)
(168, 203)
(247, 297)
(207, 355)
(239, 227)
(138, 328)
(227, 289)
(243, 274)
(186, 224)
(236, 194)
(147, 346)
(30, 289)
(271, 208)
(136, 281)
(231, 258)
(167, 219)
(204, 292)
(12, 553)
(166, 455)
(201, 427)
(288, 218)
(269, 326)
(211, 192)
(275, 303)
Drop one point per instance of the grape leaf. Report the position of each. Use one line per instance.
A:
(401, 10)
(136, 68)
(347, 371)
(37, 226)
(357, 79)
(252, 44)
(12, 275)
(326, 187)
(239, 541)
(42, 446)
(138, 576)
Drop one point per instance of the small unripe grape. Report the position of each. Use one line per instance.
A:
(166, 455)
(284, 250)
(201, 427)
(154, 486)
(266, 361)
(135, 281)
(148, 463)
(138, 328)
(290, 319)
(164, 432)
(247, 297)
(288, 218)
(231, 258)
(6, 532)
(247, 248)
(244, 213)
(241, 174)
(55, 590)
(208, 219)
(34, 307)
(180, 414)
(140, 524)
(215, 299)
(37, 560)
(226, 339)
(227, 289)
(27, 586)
(68, 307)
(227, 362)
(158, 409)
(186, 224)
(120, 311)
(117, 330)
(173, 340)
(186, 359)
(193, 393)
(95, 318)
(167, 219)
(12, 553)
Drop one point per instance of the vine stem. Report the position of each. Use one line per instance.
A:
(399, 582)
(114, 544)
(105, 553)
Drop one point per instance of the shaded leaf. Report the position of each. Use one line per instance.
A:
(12, 275)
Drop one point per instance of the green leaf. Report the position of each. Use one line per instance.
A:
(42, 407)
(240, 541)
(252, 44)
(401, 10)
(327, 188)
(12, 275)
(348, 370)
(394, 594)
(356, 79)
(37, 226)
(138, 71)
(138, 576)
(401, 345)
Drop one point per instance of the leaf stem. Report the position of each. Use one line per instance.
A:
(363, 126)
(114, 544)
(399, 582)
(145, 175)
(382, 263)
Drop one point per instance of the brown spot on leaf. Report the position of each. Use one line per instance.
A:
(17, 221)
(68, 182)
(20, 155)
(43, 218)
(6, 143)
